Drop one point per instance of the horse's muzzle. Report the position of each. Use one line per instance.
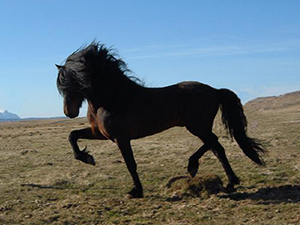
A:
(71, 114)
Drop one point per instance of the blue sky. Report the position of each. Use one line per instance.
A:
(251, 47)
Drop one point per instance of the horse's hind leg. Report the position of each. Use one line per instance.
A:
(219, 151)
(194, 159)
(209, 139)
(86, 133)
(211, 142)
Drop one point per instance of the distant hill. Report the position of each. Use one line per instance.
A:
(6, 115)
(289, 101)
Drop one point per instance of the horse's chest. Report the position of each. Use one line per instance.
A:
(105, 123)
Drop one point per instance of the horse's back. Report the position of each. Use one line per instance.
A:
(196, 95)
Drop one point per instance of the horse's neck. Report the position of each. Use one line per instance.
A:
(115, 96)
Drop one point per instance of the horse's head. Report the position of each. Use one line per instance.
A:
(72, 104)
(90, 73)
(68, 88)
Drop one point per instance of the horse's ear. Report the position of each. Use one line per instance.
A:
(59, 67)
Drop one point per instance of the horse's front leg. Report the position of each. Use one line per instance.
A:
(126, 150)
(86, 133)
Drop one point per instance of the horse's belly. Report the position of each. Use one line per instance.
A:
(152, 125)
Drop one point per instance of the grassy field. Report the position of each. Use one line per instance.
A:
(41, 182)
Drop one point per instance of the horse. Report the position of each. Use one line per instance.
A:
(121, 109)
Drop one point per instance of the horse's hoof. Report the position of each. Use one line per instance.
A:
(86, 158)
(235, 180)
(193, 168)
(90, 160)
(135, 193)
(193, 172)
(230, 188)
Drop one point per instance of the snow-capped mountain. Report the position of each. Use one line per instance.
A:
(5, 115)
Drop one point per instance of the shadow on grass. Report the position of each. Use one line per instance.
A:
(41, 186)
(61, 184)
(270, 195)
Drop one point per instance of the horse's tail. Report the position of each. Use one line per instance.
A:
(235, 121)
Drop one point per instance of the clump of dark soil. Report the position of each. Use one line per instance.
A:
(200, 186)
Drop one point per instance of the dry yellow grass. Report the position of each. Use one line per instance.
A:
(41, 182)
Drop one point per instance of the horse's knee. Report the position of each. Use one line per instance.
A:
(73, 136)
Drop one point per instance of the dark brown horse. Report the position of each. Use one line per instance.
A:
(120, 109)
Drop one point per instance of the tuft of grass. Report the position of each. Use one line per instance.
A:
(201, 186)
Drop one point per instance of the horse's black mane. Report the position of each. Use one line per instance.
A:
(91, 64)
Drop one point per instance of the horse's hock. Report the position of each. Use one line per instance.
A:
(200, 186)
